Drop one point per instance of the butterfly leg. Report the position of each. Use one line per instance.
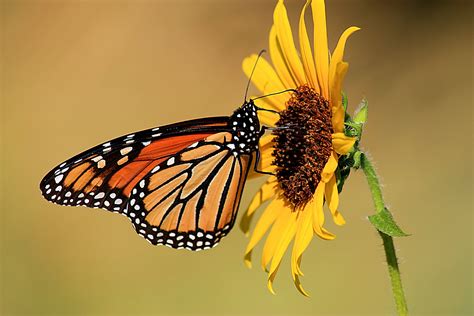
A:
(255, 167)
(257, 153)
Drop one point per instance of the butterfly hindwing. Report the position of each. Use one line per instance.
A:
(191, 199)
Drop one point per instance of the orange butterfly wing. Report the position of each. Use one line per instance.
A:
(104, 176)
(191, 199)
(179, 184)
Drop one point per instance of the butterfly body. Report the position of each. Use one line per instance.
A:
(245, 128)
(180, 184)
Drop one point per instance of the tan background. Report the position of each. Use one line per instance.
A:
(76, 73)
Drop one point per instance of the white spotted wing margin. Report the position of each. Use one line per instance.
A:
(190, 201)
(84, 179)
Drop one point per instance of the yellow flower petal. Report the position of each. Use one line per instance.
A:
(278, 61)
(332, 199)
(287, 233)
(304, 235)
(266, 142)
(336, 97)
(339, 52)
(275, 234)
(266, 192)
(329, 168)
(267, 118)
(306, 53)
(300, 287)
(327, 235)
(318, 214)
(266, 80)
(321, 52)
(264, 222)
(342, 144)
(266, 162)
(285, 38)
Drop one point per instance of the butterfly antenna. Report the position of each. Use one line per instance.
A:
(251, 74)
(274, 93)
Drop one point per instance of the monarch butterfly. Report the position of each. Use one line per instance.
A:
(179, 184)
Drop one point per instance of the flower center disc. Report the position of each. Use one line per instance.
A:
(303, 145)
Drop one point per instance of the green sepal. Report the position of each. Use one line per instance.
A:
(360, 115)
(356, 157)
(352, 129)
(344, 100)
(385, 223)
(343, 170)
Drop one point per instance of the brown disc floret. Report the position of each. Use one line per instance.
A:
(303, 145)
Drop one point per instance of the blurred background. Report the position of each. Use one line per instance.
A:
(76, 73)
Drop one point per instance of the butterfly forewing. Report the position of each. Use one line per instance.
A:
(103, 176)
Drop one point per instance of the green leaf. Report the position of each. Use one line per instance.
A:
(360, 115)
(385, 223)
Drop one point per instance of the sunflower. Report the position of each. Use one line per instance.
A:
(307, 141)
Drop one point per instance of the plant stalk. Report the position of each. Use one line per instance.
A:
(390, 252)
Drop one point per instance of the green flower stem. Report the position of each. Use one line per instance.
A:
(388, 245)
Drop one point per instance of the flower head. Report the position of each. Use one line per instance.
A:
(305, 147)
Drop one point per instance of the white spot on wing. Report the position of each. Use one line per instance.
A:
(170, 161)
(125, 151)
(101, 164)
(58, 179)
(99, 196)
(96, 159)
